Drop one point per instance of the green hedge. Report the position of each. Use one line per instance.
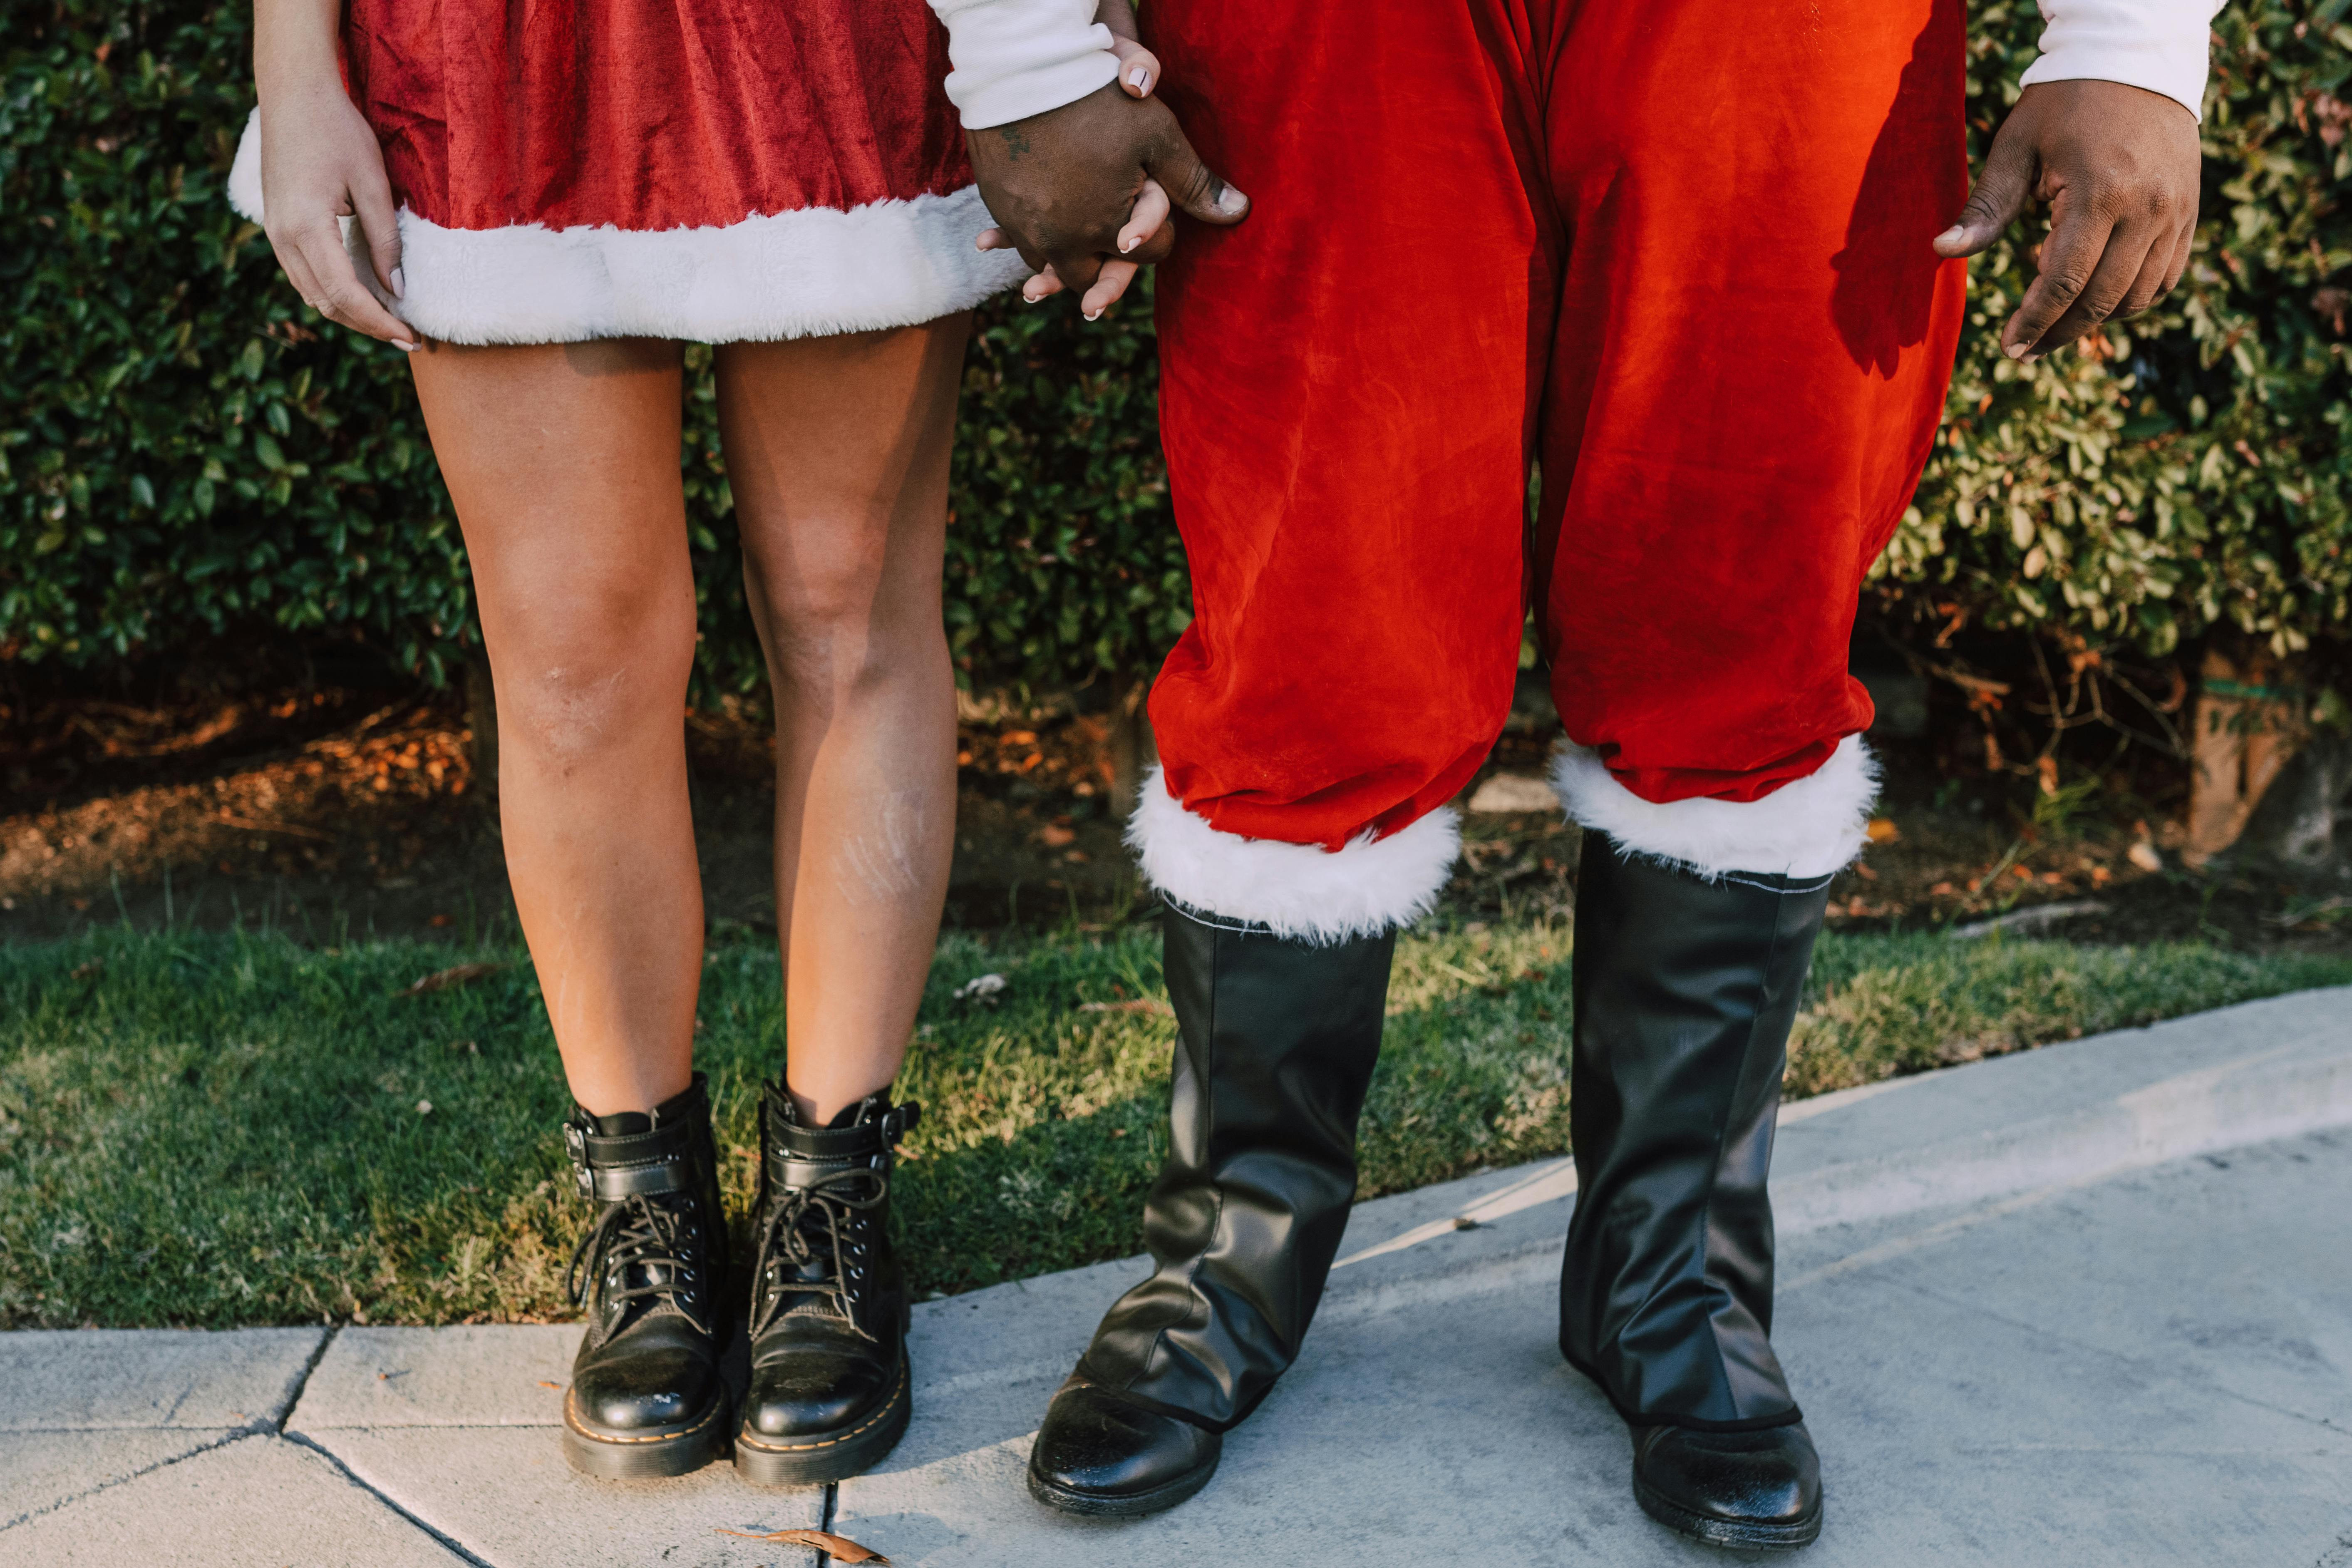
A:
(2191, 471)
(186, 453)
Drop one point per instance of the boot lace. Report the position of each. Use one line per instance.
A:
(805, 1227)
(647, 1242)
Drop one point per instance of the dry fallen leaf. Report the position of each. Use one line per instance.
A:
(441, 980)
(841, 1547)
(557, 1386)
(1882, 830)
(2145, 855)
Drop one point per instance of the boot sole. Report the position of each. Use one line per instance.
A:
(643, 1455)
(818, 1460)
(1734, 1535)
(1102, 1505)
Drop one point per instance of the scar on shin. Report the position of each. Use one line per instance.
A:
(883, 863)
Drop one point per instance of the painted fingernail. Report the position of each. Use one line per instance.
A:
(399, 285)
(1138, 78)
(1129, 243)
(1094, 315)
(403, 345)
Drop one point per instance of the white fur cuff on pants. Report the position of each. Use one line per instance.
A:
(1809, 827)
(1298, 890)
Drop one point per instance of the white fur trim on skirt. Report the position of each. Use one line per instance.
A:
(816, 272)
(1298, 890)
(1809, 827)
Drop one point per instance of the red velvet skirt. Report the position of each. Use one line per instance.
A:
(708, 169)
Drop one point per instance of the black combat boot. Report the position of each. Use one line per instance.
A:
(1275, 1042)
(647, 1398)
(830, 1390)
(1686, 989)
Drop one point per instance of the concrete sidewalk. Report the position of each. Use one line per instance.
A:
(2086, 1305)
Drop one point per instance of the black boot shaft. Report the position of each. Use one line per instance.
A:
(647, 1397)
(1686, 990)
(1276, 1043)
(831, 1389)
(830, 1187)
(657, 1241)
(1276, 1040)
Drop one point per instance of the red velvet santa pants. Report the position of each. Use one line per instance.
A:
(1676, 250)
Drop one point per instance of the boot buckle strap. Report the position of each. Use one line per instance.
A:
(628, 1164)
(613, 1183)
(575, 1143)
(787, 1170)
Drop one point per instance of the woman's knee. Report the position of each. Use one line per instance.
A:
(846, 618)
(573, 680)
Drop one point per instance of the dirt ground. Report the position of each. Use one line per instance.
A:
(339, 810)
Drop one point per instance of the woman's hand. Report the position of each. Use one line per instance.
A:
(320, 162)
(1143, 220)
(1138, 68)
(1139, 73)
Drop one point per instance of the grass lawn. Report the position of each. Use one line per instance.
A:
(216, 1130)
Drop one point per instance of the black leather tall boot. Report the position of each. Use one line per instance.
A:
(1275, 1044)
(1684, 993)
(830, 1387)
(647, 1398)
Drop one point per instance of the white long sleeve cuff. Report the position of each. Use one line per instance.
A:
(1014, 59)
(2159, 45)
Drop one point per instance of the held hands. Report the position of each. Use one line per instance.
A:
(320, 162)
(1082, 191)
(2119, 168)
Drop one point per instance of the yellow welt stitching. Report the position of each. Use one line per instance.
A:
(745, 1436)
(572, 1420)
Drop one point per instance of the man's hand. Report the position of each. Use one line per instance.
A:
(2120, 167)
(1064, 188)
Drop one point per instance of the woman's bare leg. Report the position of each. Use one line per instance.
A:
(563, 461)
(837, 453)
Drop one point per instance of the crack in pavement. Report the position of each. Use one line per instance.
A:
(824, 1521)
(237, 1436)
(258, 1426)
(300, 1382)
(303, 1440)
